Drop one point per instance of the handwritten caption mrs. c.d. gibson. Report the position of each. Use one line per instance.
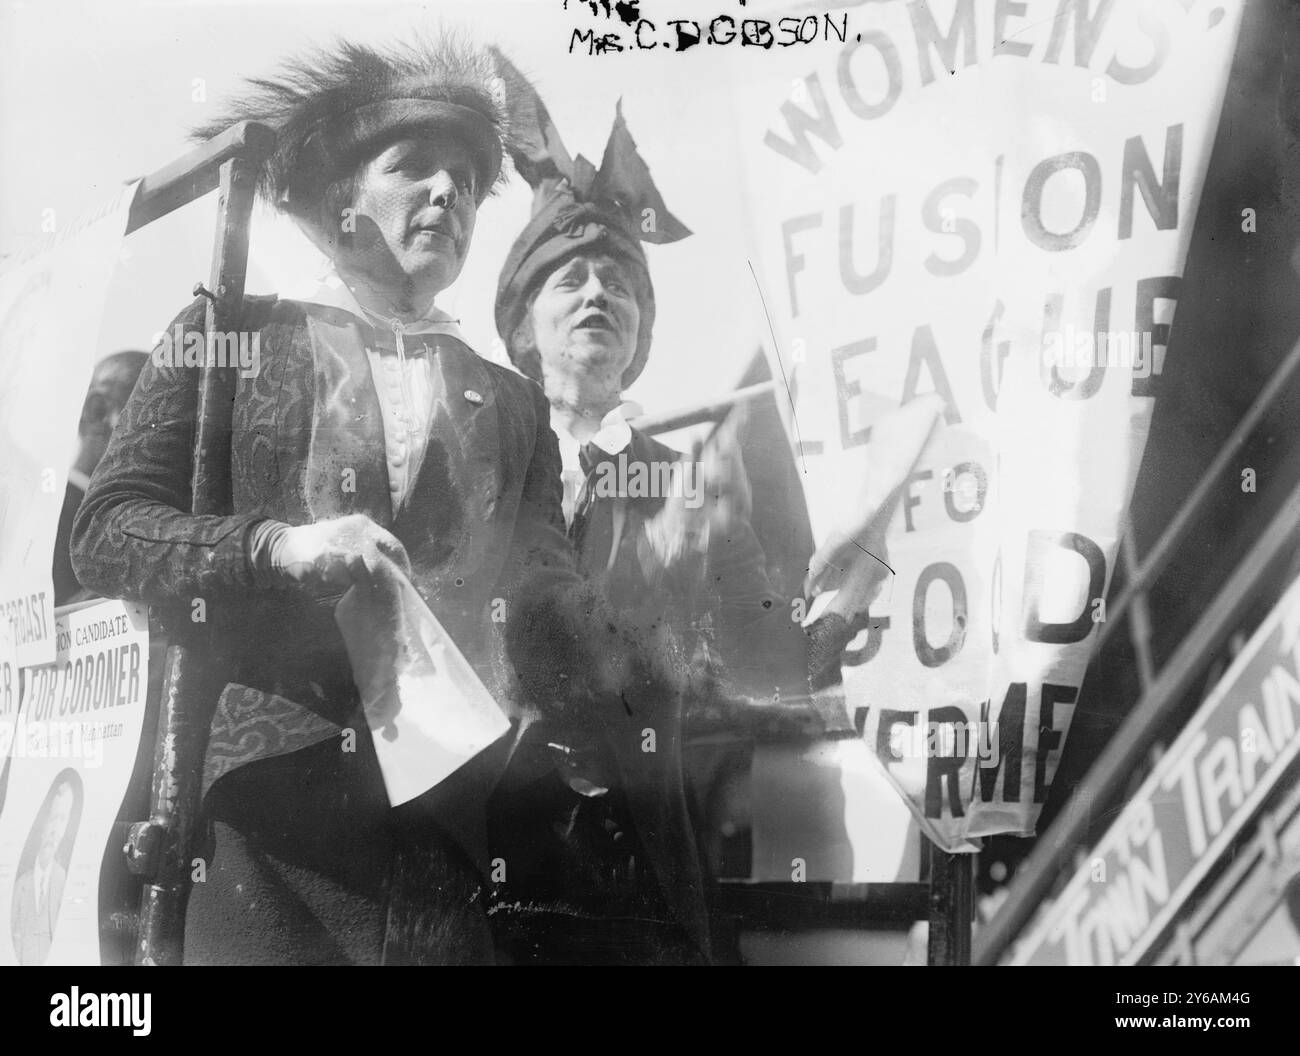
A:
(638, 33)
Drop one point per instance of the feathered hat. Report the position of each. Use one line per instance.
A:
(333, 109)
(579, 208)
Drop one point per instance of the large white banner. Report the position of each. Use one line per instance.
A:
(991, 202)
(70, 755)
(51, 305)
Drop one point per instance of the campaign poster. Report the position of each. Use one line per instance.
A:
(70, 754)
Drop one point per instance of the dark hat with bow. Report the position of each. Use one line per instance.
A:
(335, 109)
(578, 208)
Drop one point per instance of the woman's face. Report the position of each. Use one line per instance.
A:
(585, 317)
(415, 206)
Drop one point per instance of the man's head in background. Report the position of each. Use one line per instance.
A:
(110, 387)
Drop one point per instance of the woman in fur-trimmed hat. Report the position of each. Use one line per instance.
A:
(371, 434)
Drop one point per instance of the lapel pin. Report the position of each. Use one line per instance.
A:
(474, 397)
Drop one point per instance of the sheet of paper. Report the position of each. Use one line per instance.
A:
(428, 712)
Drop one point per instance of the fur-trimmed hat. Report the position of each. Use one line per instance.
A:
(333, 109)
(578, 208)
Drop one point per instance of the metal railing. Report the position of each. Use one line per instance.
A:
(1163, 691)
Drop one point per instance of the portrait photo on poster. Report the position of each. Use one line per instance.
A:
(42, 870)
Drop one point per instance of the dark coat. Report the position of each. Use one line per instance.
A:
(728, 600)
(307, 444)
(753, 637)
(483, 521)
(33, 924)
(65, 580)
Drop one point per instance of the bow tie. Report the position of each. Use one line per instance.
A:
(589, 456)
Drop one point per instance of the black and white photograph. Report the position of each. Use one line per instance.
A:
(657, 483)
(43, 871)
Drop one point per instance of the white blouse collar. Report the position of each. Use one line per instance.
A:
(331, 291)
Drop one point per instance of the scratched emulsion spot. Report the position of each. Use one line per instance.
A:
(780, 366)
(870, 554)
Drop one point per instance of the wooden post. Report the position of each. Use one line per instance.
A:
(194, 673)
(952, 905)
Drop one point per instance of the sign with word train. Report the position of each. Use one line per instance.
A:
(69, 753)
(989, 203)
(1204, 789)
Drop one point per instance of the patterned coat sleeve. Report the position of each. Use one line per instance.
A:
(133, 536)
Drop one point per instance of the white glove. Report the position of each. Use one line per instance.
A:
(325, 557)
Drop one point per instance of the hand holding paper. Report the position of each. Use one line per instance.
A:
(853, 559)
(427, 710)
(327, 555)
